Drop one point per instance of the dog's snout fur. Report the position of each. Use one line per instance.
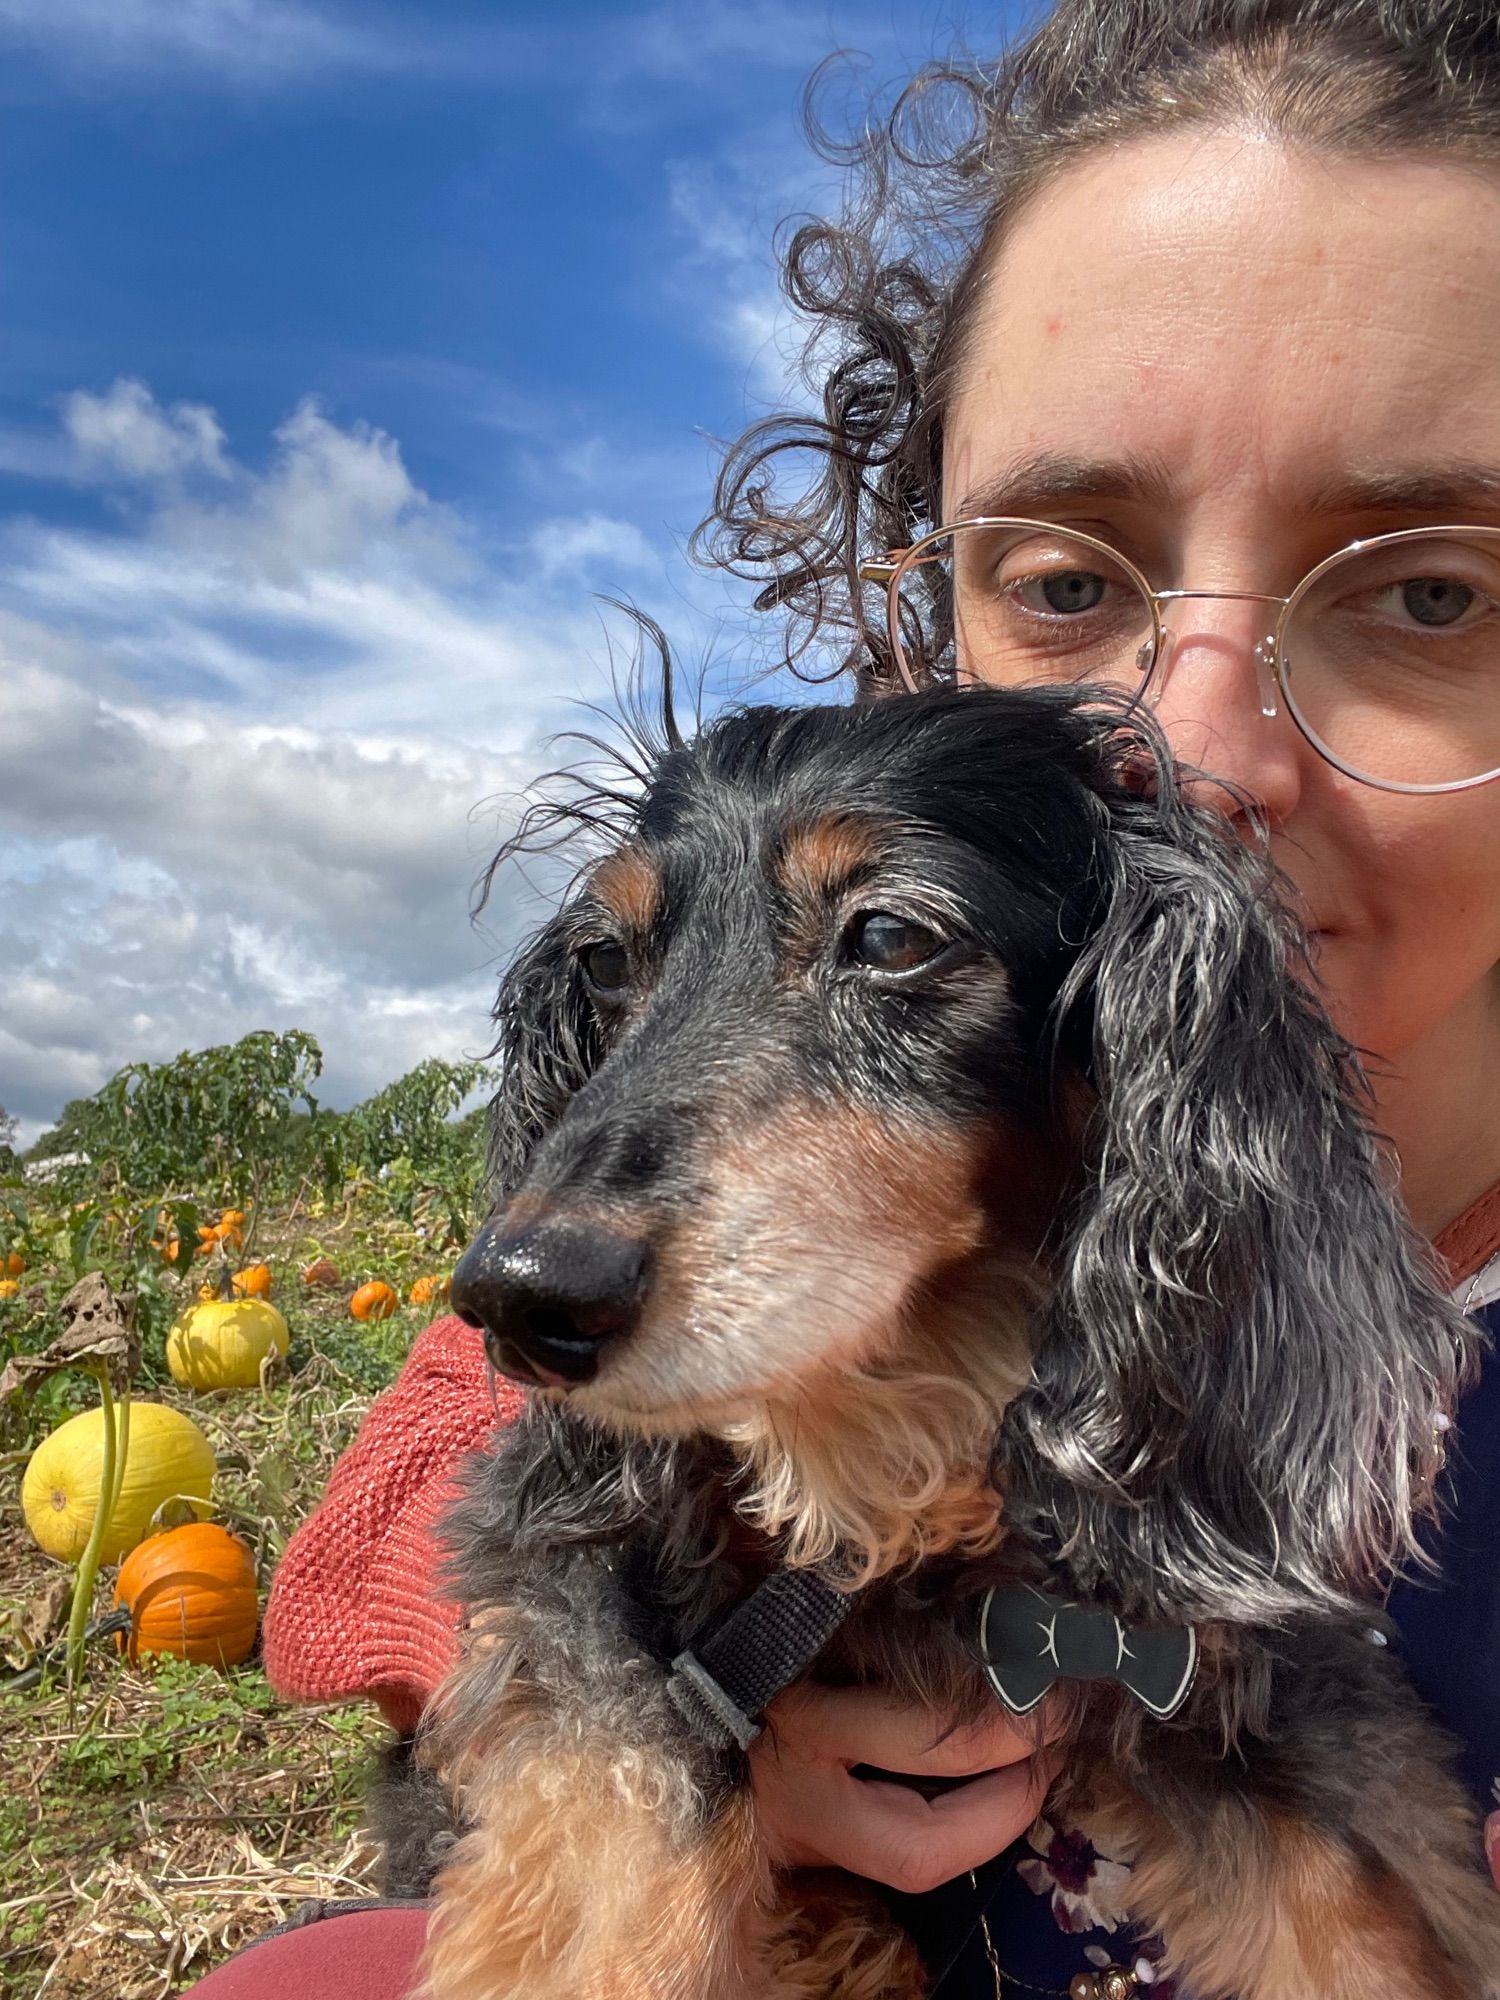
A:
(551, 1295)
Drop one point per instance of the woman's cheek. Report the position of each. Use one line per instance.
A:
(1417, 933)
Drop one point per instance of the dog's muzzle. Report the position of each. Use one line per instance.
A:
(551, 1297)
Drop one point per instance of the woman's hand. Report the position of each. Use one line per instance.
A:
(818, 1814)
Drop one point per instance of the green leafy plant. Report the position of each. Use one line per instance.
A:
(212, 1119)
(431, 1164)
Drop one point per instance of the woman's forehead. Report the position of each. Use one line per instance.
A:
(1207, 317)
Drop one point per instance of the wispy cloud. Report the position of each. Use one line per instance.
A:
(248, 42)
(255, 45)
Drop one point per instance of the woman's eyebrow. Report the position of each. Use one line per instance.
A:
(1040, 479)
(1455, 487)
(1036, 481)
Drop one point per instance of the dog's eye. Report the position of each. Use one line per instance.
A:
(606, 967)
(887, 943)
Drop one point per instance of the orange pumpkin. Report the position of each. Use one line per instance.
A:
(219, 1235)
(428, 1291)
(321, 1271)
(12, 1264)
(254, 1282)
(374, 1301)
(190, 1592)
(232, 1218)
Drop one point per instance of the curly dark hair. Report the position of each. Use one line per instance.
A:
(889, 285)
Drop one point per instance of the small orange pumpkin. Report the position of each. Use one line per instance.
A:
(374, 1301)
(429, 1291)
(190, 1592)
(219, 1235)
(253, 1283)
(322, 1271)
(232, 1218)
(12, 1264)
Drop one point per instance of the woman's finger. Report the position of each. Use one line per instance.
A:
(864, 1726)
(893, 1835)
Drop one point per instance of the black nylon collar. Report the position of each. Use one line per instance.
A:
(724, 1685)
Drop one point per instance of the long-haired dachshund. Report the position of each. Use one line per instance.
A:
(923, 1167)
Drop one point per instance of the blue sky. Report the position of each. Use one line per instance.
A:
(347, 354)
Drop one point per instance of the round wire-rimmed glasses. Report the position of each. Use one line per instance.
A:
(1386, 655)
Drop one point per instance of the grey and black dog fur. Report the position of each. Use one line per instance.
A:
(918, 1104)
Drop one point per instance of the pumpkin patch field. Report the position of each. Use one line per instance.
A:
(205, 1279)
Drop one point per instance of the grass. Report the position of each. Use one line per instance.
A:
(181, 1811)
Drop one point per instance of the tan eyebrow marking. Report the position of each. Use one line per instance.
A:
(630, 882)
(821, 856)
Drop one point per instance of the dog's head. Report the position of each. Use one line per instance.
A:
(911, 1062)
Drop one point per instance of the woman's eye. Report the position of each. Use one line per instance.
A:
(1062, 593)
(1436, 600)
(887, 943)
(606, 967)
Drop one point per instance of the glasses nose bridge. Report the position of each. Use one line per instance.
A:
(1263, 652)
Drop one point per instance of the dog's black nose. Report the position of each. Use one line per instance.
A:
(548, 1297)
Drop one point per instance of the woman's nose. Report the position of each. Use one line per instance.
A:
(1215, 695)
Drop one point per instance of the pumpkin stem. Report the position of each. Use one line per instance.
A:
(88, 1565)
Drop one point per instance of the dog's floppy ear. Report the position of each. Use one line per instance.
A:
(1235, 1405)
(548, 1048)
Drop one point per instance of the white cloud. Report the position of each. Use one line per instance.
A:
(248, 733)
(724, 218)
(243, 42)
(592, 541)
(125, 432)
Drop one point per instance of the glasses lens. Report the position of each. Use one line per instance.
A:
(1015, 603)
(1391, 659)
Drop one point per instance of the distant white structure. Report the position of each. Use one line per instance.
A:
(48, 1170)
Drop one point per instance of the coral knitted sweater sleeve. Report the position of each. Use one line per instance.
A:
(354, 1607)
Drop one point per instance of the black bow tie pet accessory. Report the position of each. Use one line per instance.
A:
(1029, 1641)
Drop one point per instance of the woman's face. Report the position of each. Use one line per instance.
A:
(1230, 360)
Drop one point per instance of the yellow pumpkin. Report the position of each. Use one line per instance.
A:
(254, 1282)
(429, 1291)
(374, 1301)
(9, 1287)
(220, 1343)
(190, 1592)
(167, 1454)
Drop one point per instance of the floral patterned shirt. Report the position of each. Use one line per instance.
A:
(1054, 1907)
